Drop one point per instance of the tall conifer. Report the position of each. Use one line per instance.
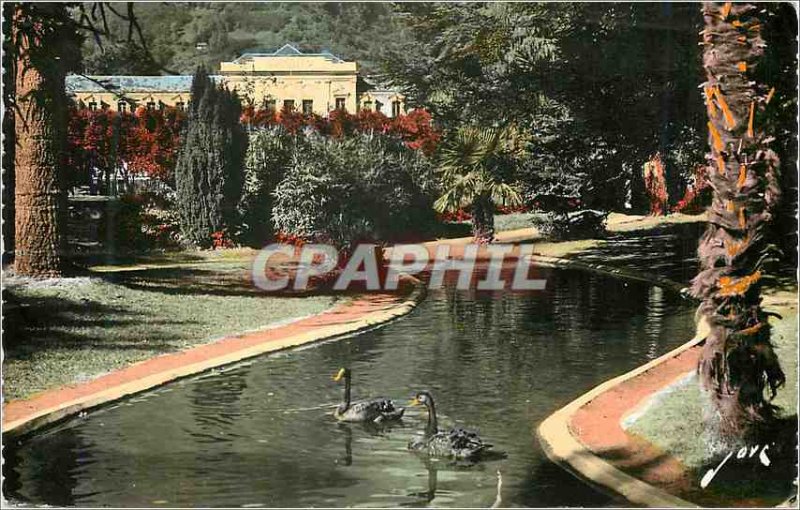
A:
(208, 174)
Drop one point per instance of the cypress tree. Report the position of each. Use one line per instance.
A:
(209, 170)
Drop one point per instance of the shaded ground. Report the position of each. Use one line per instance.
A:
(74, 329)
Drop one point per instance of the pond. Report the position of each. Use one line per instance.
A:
(260, 433)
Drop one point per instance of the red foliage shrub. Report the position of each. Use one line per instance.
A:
(415, 129)
(290, 239)
(694, 198)
(220, 239)
(656, 185)
(454, 216)
(144, 142)
(512, 209)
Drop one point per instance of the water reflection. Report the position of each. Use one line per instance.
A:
(43, 470)
(261, 433)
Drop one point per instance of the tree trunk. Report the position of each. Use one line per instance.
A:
(483, 220)
(737, 362)
(40, 122)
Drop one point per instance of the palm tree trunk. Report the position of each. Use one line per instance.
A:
(483, 219)
(737, 362)
(39, 120)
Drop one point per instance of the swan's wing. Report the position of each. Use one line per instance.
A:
(378, 405)
(372, 407)
(466, 440)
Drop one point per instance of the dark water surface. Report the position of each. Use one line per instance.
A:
(260, 433)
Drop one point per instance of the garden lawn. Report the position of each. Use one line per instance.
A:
(674, 423)
(514, 221)
(73, 329)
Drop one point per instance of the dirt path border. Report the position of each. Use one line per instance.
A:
(366, 312)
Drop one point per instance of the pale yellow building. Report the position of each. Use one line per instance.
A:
(287, 78)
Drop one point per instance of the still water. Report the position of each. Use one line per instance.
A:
(260, 433)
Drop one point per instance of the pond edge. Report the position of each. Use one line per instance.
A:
(31, 417)
(563, 448)
(566, 450)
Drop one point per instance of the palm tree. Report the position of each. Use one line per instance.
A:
(43, 38)
(737, 362)
(476, 168)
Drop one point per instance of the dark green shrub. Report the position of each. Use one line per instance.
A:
(364, 188)
(140, 222)
(583, 224)
(269, 153)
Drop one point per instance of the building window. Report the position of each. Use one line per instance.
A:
(288, 104)
(151, 105)
(378, 106)
(92, 105)
(368, 105)
(122, 107)
(308, 106)
(340, 103)
(395, 108)
(270, 105)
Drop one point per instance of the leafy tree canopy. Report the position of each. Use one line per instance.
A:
(623, 77)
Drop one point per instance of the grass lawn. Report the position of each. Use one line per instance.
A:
(75, 329)
(514, 221)
(675, 424)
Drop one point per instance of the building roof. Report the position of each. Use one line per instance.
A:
(287, 50)
(122, 84)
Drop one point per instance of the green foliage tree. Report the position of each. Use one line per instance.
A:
(209, 171)
(476, 167)
(121, 58)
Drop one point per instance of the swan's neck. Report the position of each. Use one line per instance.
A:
(346, 391)
(432, 427)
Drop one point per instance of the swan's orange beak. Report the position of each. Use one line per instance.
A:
(414, 402)
(338, 375)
